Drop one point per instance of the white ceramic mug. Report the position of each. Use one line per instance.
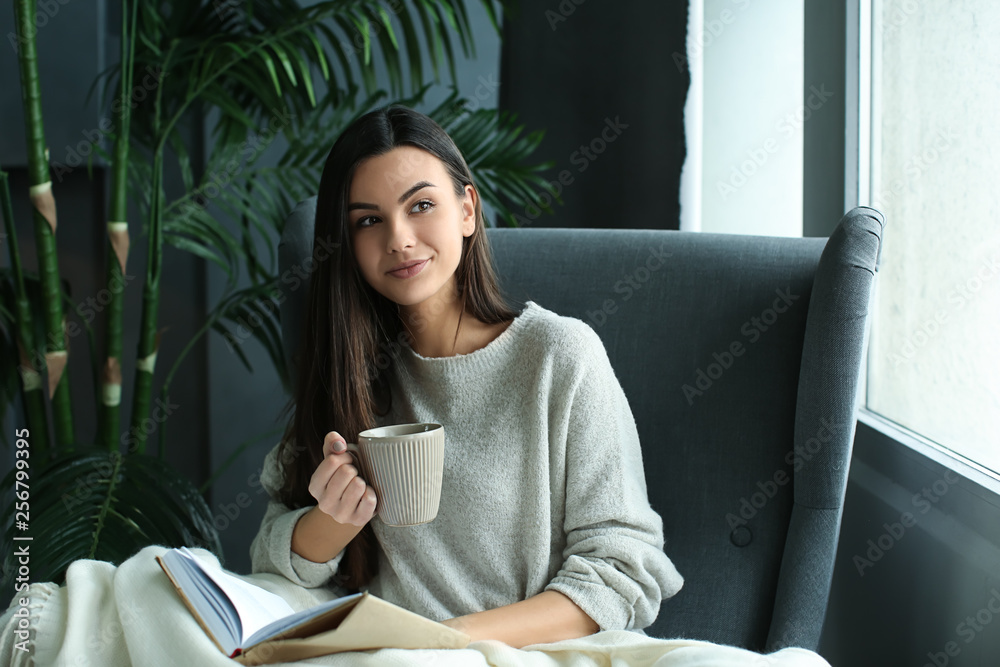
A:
(404, 464)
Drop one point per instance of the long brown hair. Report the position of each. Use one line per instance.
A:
(343, 367)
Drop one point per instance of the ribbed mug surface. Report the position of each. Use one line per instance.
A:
(404, 463)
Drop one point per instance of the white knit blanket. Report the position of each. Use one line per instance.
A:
(131, 615)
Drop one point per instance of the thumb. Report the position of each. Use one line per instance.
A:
(334, 444)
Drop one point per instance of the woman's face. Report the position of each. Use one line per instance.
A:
(402, 208)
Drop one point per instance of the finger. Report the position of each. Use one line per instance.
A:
(331, 493)
(362, 511)
(331, 496)
(344, 459)
(368, 502)
(353, 493)
(366, 507)
(335, 447)
(320, 480)
(342, 477)
(346, 510)
(324, 472)
(329, 466)
(334, 443)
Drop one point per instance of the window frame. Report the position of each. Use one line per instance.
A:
(862, 167)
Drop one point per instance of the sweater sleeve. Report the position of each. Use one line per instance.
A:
(271, 550)
(614, 565)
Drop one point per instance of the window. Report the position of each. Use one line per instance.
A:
(934, 360)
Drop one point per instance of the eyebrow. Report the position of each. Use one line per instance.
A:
(402, 198)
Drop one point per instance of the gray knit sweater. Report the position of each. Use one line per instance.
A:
(543, 485)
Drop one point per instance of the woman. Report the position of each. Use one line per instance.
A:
(544, 530)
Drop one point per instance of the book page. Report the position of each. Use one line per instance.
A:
(282, 625)
(207, 601)
(255, 606)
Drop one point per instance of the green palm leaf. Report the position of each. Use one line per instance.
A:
(254, 310)
(105, 506)
(488, 138)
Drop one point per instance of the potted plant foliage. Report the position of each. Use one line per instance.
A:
(243, 64)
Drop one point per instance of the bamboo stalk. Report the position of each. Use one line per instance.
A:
(149, 337)
(44, 216)
(109, 417)
(31, 379)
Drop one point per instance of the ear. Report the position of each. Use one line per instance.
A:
(469, 211)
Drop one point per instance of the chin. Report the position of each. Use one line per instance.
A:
(406, 298)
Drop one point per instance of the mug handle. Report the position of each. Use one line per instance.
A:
(359, 463)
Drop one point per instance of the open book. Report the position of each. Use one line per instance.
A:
(256, 627)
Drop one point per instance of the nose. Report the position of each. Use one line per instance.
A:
(399, 234)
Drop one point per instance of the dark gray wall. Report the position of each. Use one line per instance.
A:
(608, 84)
(917, 577)
(70, 39)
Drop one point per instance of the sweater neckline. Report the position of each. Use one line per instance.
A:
(482, 357)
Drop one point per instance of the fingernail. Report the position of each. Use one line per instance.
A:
(338, 446)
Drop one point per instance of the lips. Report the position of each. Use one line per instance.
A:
(409, 270)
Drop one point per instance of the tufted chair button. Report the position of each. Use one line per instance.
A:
(741, 536)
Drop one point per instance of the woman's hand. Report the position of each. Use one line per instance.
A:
(548, 617)
(338, 489)
(461, 624)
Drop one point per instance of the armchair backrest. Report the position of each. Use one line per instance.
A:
(740, 356)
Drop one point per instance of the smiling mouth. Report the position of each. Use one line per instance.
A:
(409, 271)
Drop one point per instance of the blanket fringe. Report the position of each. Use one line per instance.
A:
(17, 650)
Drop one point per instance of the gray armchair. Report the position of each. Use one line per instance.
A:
(741, 357)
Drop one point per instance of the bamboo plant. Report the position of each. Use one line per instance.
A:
(44, 225)
(85, 502)
(245, 63)
(118, 246)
